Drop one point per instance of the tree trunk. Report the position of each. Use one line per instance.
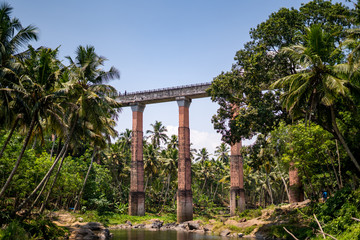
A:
(53, 145)
(202, 189)
(342, 140)
(334, 169)
(9, 136)
(52, 185)
(338, 154)
(47, 179)
(47, 175)
(217, 185)
(34, 143)
(146, 183)
(32, 125)
(269, 187)
(167, 191)
(85, 180)
(286, 188)
(63, 151)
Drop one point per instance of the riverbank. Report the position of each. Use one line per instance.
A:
(251, 223)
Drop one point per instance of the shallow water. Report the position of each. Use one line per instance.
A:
(142, 234)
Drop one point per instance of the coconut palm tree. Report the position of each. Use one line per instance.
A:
(36, 89)
(222, 152)
(93, 103)
(158, 134)
(202, 156)
(13, 36)
(151, 163)
(314, 90)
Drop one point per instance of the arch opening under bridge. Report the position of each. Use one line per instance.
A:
(183, 95)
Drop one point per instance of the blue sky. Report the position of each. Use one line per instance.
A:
(154, 44)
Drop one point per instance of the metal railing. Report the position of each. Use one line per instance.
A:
(164, 89)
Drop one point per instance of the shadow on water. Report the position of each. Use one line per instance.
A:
(141, 234)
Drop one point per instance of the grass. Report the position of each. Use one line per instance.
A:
(218, 227)
(109, 219)
(250, 214)
(244, 231)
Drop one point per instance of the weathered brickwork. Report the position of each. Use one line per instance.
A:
(137, 195)
(237, 194)
(184, 195)
(296, 189)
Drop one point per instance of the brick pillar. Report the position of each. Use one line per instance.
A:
(296, 191)
(237, 194)
(184, 194)
(137, 194)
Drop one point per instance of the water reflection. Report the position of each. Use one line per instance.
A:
(141, 234)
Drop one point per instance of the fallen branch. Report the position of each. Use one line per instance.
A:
(290, 233)
(328, 235)
(356, 219)
(321, 230)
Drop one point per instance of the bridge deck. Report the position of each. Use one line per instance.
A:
(164, 94)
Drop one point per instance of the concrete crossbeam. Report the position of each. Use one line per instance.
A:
(164, 95)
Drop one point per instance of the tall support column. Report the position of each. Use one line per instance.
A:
(137, 194)
(296, 190)
(184, 194)
(237, 194)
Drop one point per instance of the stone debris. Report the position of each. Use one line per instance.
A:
(89, 231)
(224, 233)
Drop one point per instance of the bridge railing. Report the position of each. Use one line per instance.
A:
(165, 89)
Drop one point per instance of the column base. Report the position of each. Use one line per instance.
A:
(184, 206)
(137, 204)
(296, 193)
(237, 200)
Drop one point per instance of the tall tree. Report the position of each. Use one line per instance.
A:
(158, 134)
(13, 36)
(316, 88)
(36, 87)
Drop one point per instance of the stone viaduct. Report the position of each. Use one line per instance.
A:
(183, 95)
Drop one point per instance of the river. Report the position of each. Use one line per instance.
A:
(141, 234)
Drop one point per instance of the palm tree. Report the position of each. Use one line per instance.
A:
(173, 142)
(36, 87)
(151, 163)
(314, 90)
(158, 134)
(93, 103)
(12, 37)
(125, 140)
(169, 159)
(202, 155)
(222, 151)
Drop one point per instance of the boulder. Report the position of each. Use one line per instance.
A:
(193, 225)
(157, 224)
(93, 226)
(139, 225)
(90, 231)
(242, 220)
(224, 233)
(170, 225)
